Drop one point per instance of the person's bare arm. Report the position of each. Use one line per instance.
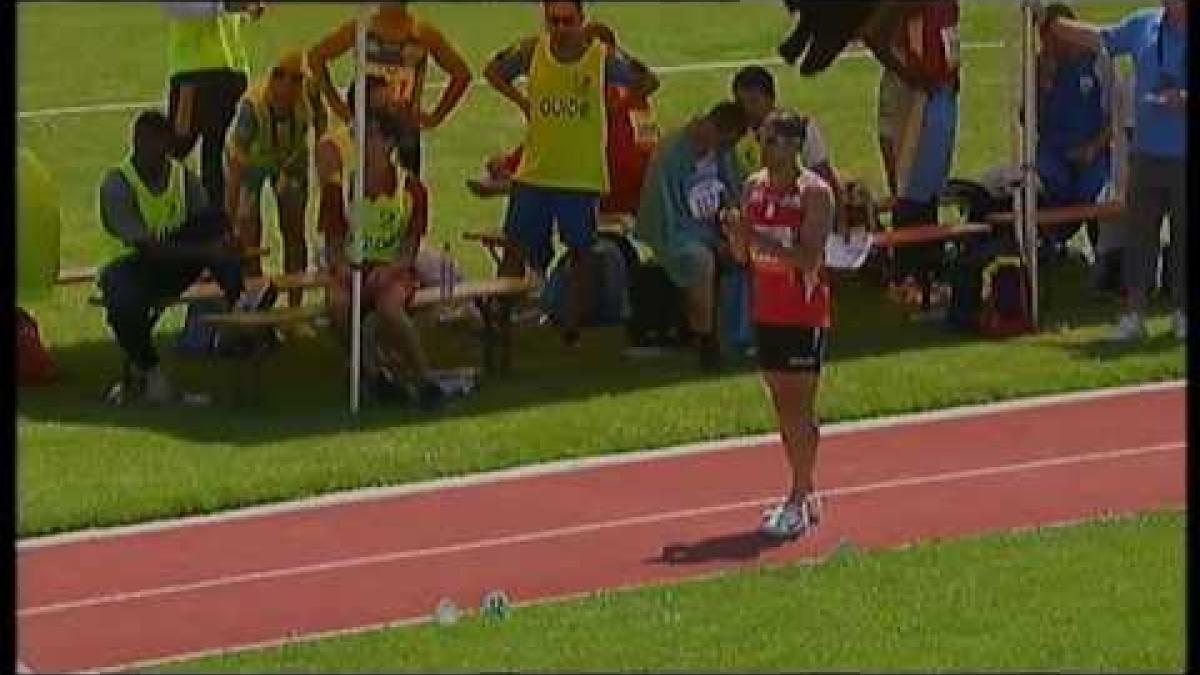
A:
(407, 255)
(320, 115)
(502, 83)
(452, 62)
(241, 135)
(809, 252)
(330, 48)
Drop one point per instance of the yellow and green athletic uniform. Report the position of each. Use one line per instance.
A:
(207, 65)
(275, 146)
(563, 170)
(387, 223)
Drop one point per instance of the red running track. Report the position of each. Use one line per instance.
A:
(145, 597)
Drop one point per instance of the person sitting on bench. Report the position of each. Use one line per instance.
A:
(386, 241)
(1074, 158)
(690, 179)
(159, 211)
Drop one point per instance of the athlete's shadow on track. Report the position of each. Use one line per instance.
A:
(737, 546)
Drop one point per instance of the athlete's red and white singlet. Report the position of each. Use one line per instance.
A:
(781, 296)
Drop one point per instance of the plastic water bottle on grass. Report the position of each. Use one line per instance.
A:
(446, 612)
(846, 550)
(495, 605)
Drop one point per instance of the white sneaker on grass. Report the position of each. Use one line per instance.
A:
(792, 519)
(1130, 328)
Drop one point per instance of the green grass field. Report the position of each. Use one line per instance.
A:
(1103, 597)
(83, 465)
(1099, 597)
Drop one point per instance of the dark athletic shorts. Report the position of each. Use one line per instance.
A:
(791, 348)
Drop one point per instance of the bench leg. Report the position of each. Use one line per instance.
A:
(504, 332)
(487, 310)
(236, 388)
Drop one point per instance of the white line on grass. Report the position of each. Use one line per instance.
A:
(586, 528)
(677, 68)
(361, 495)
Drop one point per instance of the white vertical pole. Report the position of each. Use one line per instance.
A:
(355, 254)
(1027, 217)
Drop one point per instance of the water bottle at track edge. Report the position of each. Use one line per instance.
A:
(495, 605)
(446, 612)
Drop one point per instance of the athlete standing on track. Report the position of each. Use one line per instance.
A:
(787, 214)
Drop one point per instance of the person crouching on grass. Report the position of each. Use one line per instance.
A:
(787, 214)
(394, 219)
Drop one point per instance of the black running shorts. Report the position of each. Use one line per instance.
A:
(791, 348)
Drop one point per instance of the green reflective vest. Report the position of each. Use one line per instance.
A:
(383, 224)
(292, 148)
(163, 213)
(206, 44)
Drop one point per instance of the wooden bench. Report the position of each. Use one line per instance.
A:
(917, 235)
(1054, 217)
(203, 290)
(76, 275)
(495, 299)
(924, 235)
(257, 322)
(496, 243)
(79, 275)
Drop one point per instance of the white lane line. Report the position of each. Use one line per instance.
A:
(361, 495)
(425, 618)
(573, 530)
(676, 68)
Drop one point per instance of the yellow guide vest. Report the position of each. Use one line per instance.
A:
(748, 154)
(163, 213)
(989, 273)
(206, 44)
(383, 223)
(567, 134)
(263, 150)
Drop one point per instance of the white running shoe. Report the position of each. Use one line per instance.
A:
(1179, 325)
(1130, 328)
(791, 519)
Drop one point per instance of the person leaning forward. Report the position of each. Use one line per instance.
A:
(1155, 39)
(158, 210)
(269, 143)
